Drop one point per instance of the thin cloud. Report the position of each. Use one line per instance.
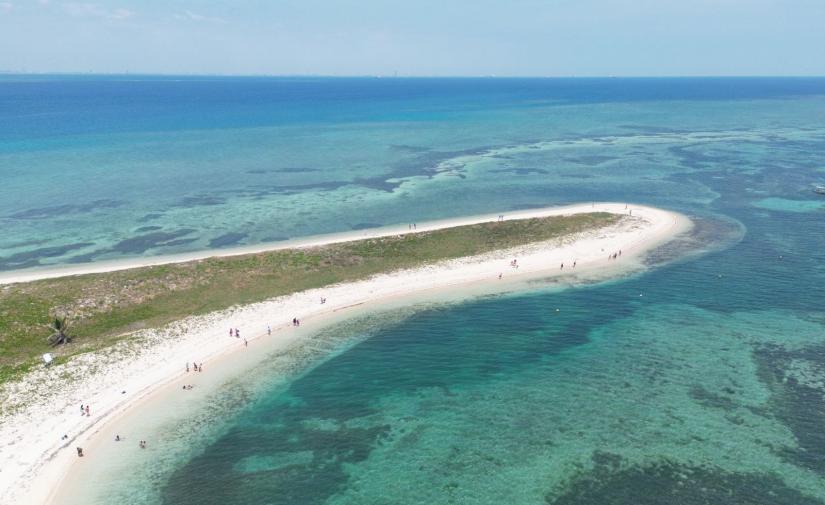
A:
(199, 18)
(95, 10)
(6, 7)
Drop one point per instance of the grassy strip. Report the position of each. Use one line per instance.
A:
(102, 308)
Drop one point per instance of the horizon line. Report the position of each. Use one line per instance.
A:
(411, 76)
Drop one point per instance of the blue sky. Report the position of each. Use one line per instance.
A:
(422, 37)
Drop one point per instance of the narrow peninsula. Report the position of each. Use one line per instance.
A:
(135, 328)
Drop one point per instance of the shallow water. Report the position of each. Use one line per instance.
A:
(699, 381)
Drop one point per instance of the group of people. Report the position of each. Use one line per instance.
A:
(84, 410)
(615, 255)
(141, 444)
(188, 386)
(411, 226)
(196, 367)
(296, 321)
(514, 263)
(500, 218)
(234, 332)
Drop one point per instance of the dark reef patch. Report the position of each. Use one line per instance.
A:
(520, 171)
(710, 399)
(149, 217)
(799, 406)
(365, 226)
(227, 239)
(180, 241)
(652, 129)
(32, 258)
(283, 170)
(214, 476)
(143, 243)
(409, 148)
(612, 482)
(59, 210)
(143, 229)
(296, 170)
(26, 243)
(590, 160)
(201, 200)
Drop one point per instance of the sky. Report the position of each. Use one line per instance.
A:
(416, 37)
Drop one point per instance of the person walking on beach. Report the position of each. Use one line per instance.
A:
(187, 366)
(245, 343)
(268, 330)
(87, 411)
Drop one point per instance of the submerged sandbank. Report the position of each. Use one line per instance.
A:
(117, 380)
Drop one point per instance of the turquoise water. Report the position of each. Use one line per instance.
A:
(707, 388)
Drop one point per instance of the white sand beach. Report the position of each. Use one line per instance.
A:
(35, 457)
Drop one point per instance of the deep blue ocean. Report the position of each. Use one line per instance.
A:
(709, 389)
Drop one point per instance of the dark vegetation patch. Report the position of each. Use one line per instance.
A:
(613, 482)
(102, 307)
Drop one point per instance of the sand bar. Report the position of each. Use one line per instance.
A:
(35, 458)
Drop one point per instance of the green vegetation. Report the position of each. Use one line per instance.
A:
(103, 308)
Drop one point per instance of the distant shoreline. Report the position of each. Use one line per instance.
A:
(41, 462)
